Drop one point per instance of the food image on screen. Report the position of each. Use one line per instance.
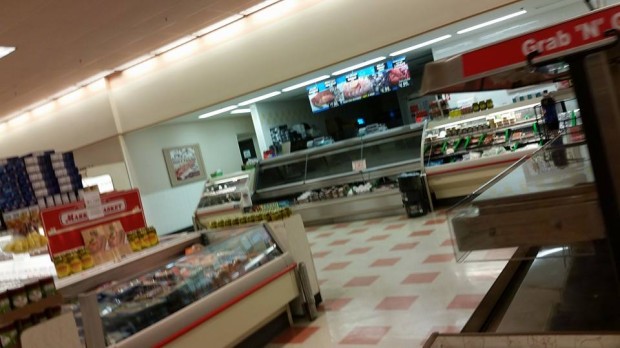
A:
(397, 74)
(357, 88)
(323, 98)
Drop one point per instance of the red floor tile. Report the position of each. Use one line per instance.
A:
(336, 266)
(358, 251)
(421, 233)
(366, 335)
(359, 230)
(361, 281)
(403, 218)
(336, 304)
(385, 262)
(465, 301)
(340, 242)
(295, 335)
(320, 254)
(323, 235)
(394, 227)
(341, 225)
(396, 303)
(322, 281)
(311, 229)
(447, 242)
(436, 258)
(435, 222)
(421, 278)
(404, 246)
(373, 222)
(445, 329)
(381, 237)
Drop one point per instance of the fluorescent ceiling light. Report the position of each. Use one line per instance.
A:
(6, 50)
(420, 45)
(218, 25)
(174, 44)
(303, 84)
(96, 77)
(44, 109)
(258, 7)
(241, 111)
(71, 96)
(217, 112)
(262, 97)
(356, 66)
(496, 20)
(134, 62)
(19, 120)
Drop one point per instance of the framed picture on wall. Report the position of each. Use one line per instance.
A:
(184, 164)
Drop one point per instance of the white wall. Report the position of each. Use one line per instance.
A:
(169, 208)
(273, 114)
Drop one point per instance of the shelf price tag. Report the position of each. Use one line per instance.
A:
(359, 165)
(94, 208)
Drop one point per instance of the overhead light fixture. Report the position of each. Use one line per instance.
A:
(356, 66)
(97, 85)
(6, 50)
(217, 112)
(44, 109)
(258, 7)
(134, 62)
(71, 96)
(305, 83)
(491, 22)
(420, 45)
(19, 120)
(174, 44)
(95, 77)
(218, 25)
(241, 111)
(262, 97)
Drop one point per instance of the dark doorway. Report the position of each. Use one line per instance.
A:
(246, 147)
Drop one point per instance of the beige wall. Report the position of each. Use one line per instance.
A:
(106, 151)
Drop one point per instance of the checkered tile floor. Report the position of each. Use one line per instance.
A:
(389, 283)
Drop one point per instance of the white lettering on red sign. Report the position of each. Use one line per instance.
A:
(80, 215)
(590, 30)
(559, 40)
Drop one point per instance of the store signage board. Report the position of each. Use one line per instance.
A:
(92, 201)
(64, 224)
(552, 41)
(370, 81)
(359, 165)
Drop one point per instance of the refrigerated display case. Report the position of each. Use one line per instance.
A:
(225, 195)
(357, 161)
(191, 296)
(558, 212)
(462, 153)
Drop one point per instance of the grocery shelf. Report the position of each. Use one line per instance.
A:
(488, 130)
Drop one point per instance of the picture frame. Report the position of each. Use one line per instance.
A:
(184, 164)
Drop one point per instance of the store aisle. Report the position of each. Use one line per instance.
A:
(389, 283)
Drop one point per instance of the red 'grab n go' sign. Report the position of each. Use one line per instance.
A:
(578, 32)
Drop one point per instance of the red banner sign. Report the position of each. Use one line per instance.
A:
(64, 224)
(553, 40)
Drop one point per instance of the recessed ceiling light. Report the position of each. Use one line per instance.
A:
(19, 120)
(241, 111)
(258, 7)
(305, 83)
(218, 111)
(6, 50)
(218, 25)
(356, 66)
(496, 20)
(420, 45)
(262, 97)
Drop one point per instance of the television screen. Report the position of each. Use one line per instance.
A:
(372, 80)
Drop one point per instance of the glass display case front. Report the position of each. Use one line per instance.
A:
(129, 306)
(225, 194)
(548, 200)
(386, 153)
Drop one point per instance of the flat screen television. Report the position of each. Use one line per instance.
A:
(367, 82)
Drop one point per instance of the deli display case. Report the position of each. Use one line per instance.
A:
(190, 297)
(342, 172)
(461, 153)
(228, 194)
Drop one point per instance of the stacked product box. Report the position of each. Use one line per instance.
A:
(36, 181)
